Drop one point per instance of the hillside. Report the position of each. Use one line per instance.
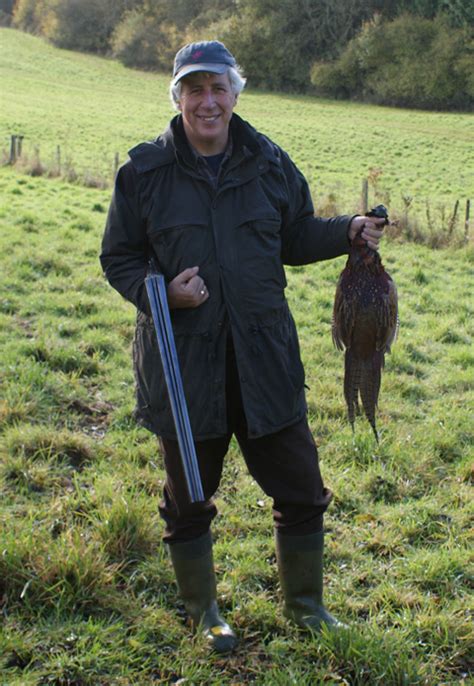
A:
(94, 108)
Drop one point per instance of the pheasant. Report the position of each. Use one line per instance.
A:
(365, 323)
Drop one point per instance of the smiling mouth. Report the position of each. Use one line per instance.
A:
(208, 119)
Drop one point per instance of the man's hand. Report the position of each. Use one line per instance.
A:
(372, 230)
(187, 290)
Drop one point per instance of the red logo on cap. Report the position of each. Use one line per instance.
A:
(196, 55)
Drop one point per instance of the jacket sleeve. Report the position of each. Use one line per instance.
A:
(306, 238)
(125, 248)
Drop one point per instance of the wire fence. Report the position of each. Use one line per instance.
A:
(419, 220)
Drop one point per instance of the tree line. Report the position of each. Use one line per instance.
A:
(412, 53)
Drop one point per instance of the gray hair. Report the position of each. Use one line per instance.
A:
(236, 78)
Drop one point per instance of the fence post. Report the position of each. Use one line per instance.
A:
(12, 150)
(58, 159)
(19, 146)
(452, 221)
(365, 196)
(466, 221)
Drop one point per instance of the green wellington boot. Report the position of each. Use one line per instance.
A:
(300, 566)
(194, 568)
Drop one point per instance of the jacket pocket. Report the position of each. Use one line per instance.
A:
(277, 370)
(285, 338)
(150, 385)
(180, 246)
(262, 274)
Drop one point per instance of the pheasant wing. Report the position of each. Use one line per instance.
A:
(387, 326)
(343, 317)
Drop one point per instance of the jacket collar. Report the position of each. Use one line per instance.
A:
(164, 150)
(249, 142)
(153, 154)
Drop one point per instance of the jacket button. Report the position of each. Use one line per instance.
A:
(243, 379)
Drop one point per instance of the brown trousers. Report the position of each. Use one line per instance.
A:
(284, 464)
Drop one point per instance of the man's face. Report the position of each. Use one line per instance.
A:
(206, 103)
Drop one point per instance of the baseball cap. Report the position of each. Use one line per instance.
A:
(211, 56)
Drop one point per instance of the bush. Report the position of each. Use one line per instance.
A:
(276, 43)
(75, 24)
(81, 24)
(144, 40)
(343, 78)
(411, 61)
(132, 42)
(28, 15)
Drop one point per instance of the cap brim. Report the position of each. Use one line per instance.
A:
(192, 68)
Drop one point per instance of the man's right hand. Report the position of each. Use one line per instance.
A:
(187, 290)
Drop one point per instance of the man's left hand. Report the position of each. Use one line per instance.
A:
(372, 230)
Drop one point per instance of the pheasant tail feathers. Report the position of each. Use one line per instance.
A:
(362, 377)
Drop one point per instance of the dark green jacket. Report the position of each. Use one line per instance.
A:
(240, 233)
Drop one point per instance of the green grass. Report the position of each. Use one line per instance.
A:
(86, 589)
(94, 108)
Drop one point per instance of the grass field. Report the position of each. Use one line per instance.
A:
(86, 589)
(94, 108)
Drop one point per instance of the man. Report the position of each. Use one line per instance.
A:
(221, 208)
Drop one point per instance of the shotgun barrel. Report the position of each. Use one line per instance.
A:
(156, 290)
